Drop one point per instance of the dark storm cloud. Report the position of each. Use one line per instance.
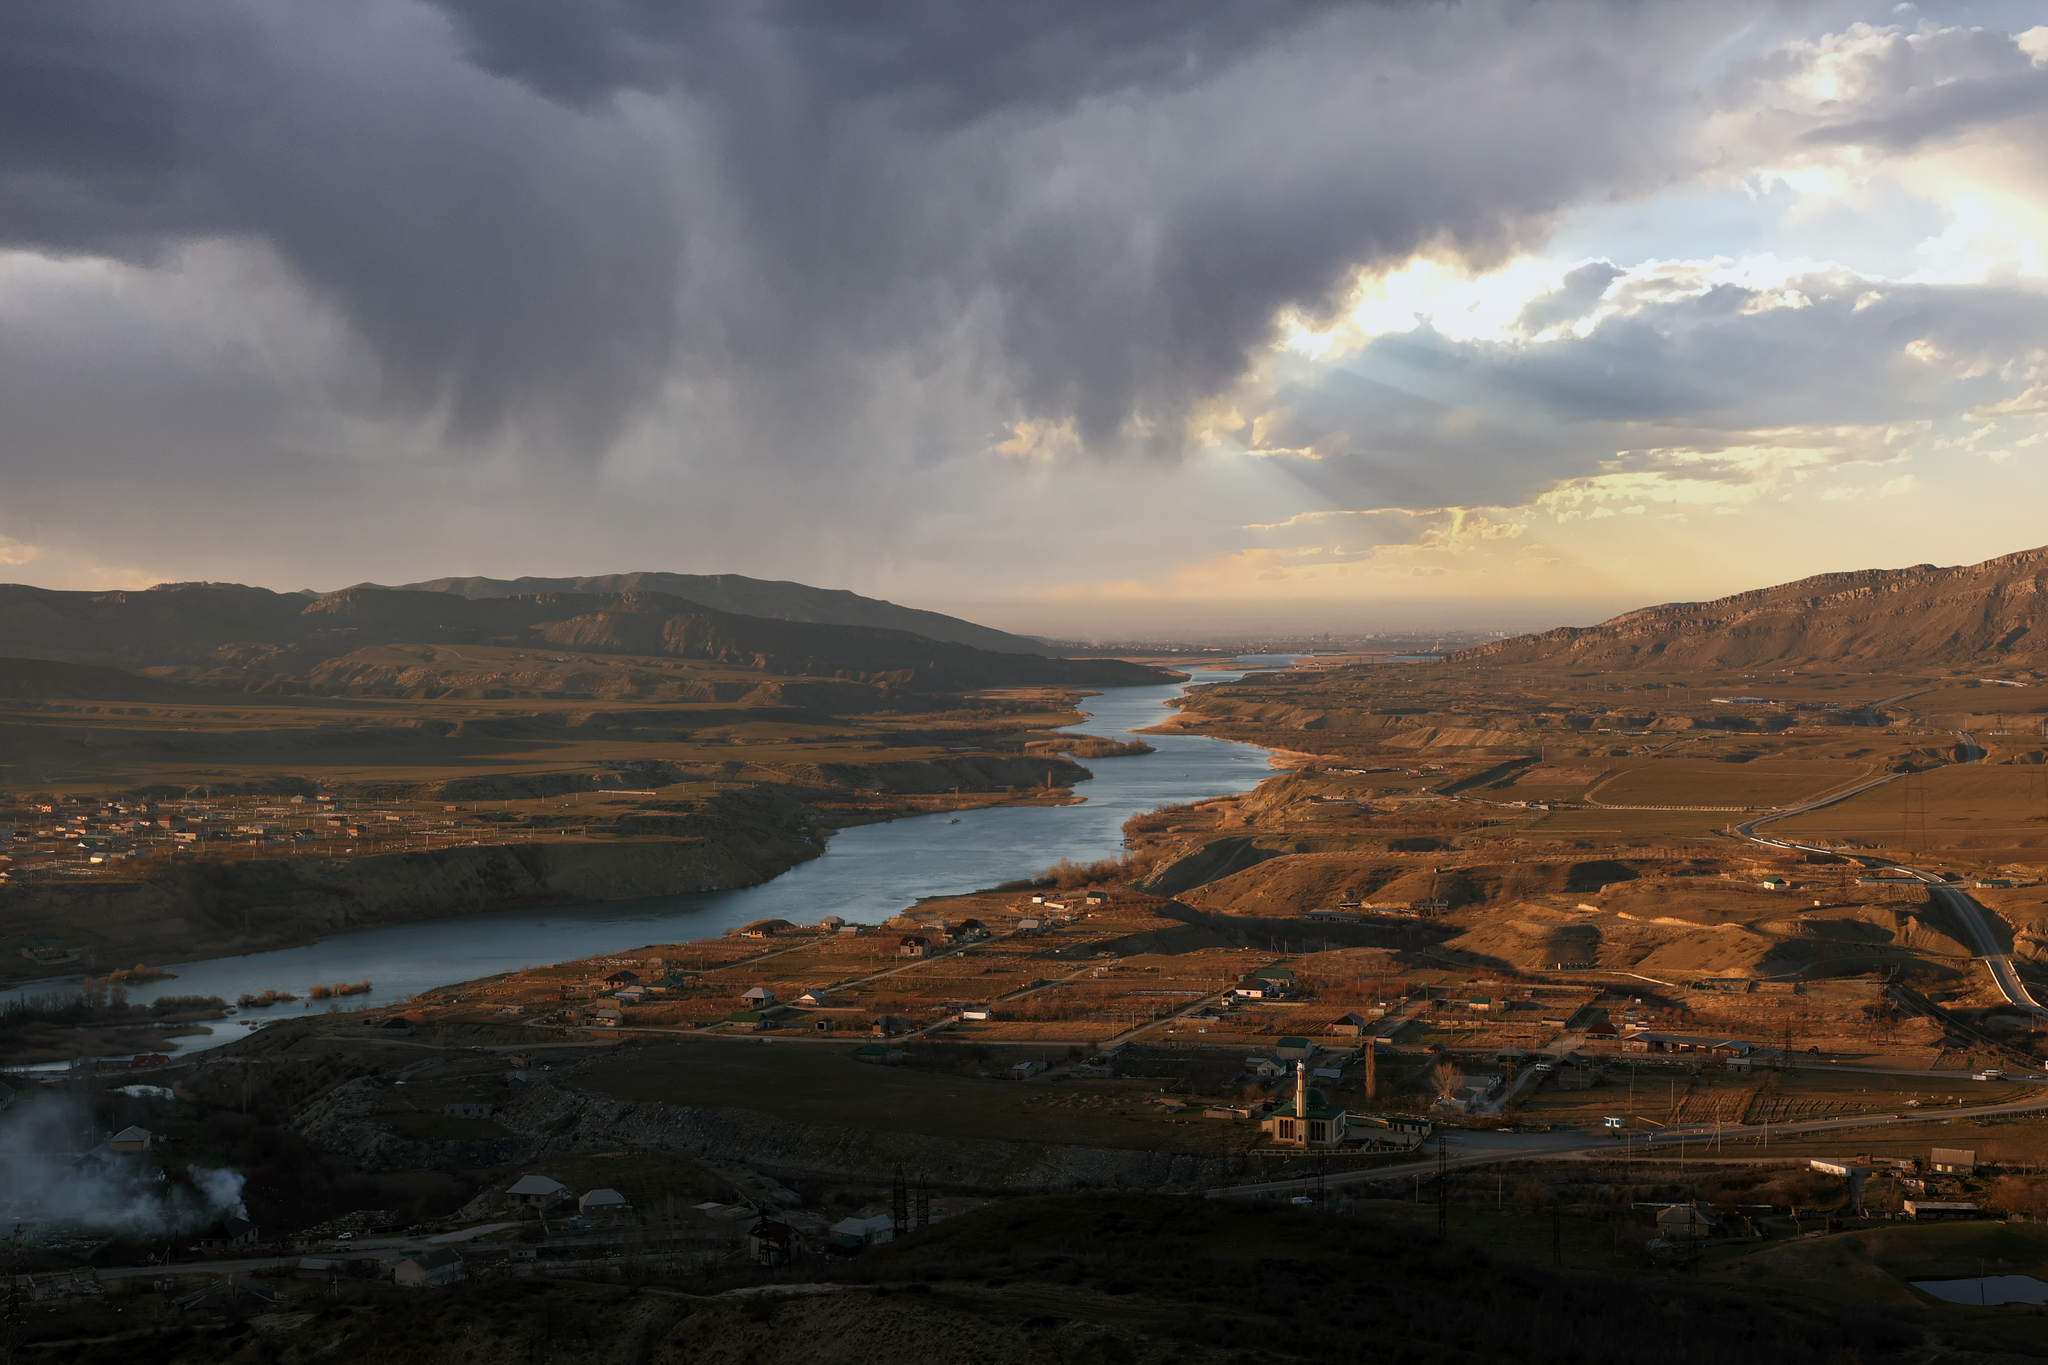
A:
(485, 246)
(946, 61)
(821, 230)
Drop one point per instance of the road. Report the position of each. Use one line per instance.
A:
(1997, 963)
(1488, 1149)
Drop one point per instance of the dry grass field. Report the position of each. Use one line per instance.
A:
(1688, 781)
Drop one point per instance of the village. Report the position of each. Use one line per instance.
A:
(1101, 1019)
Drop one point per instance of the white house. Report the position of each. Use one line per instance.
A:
(429, 1269)
(535, 1191)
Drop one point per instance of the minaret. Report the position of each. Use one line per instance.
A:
(1301, 1100)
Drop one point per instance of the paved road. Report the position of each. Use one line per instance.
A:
(1996, 962)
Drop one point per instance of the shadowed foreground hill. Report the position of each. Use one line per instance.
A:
(743, 596)
(226, 632)
(43, 680)
(1111, 1279)
(1993, 614)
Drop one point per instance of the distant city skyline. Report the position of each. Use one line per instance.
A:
(1147, 320)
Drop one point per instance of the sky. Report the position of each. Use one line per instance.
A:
(1154, 318)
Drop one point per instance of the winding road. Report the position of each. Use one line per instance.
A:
(1997, 962)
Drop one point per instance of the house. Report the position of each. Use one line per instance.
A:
(1953, 1160)
(1294, 1049)
(1575, 1073)
(230, 1234)
(1472, 1090)
(534, 1191)
(608, 1018)
(1774, 884)
(1096, 898)
(831, 924)
(971, 928)
(853, 930)
(914, 945)
(822, 1025)
(1941, 1210)
(879, 1053)
(132, 1140)
(1684, 1223)
(1024, 1071)
(758, 997)
(429, 1269)
(607, 1203)
(755, 1019)
(1350, 1026)
(1308, 1119)
(889, 1025)
(396, 1024)
(1267, 983)
(1030, 926)
(977, 1012)
(1265, 1068)
(816, 996)
(772, 1243)
(623, 978)
(1713, 1044)
(1850, 1173)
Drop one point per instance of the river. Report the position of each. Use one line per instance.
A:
(866, 874)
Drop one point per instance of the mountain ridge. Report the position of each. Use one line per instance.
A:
(770, 599)
(219, 630)
(1995, 611)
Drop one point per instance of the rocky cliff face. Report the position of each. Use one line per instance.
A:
(1993, 614)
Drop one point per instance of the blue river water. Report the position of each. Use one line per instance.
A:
(866, 874)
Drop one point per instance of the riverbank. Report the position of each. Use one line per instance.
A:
(868, 873)
(738, 837)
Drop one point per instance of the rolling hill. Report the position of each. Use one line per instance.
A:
(743, 596)
(228, 631)
(1993, 614)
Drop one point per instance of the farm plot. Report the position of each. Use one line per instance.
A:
(1705, 782)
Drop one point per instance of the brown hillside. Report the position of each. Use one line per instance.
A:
(743, 596)
(1991, 614)
(263, 635)
(42, 680)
